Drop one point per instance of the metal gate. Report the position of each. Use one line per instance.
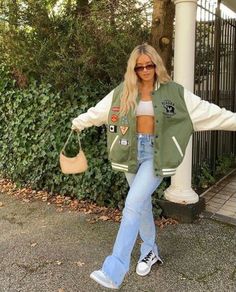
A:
(215, 75)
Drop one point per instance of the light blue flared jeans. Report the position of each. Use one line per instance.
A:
(137, 216)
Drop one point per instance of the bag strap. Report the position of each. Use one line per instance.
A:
(63, 149)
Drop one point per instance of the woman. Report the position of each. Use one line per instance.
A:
(150, 120)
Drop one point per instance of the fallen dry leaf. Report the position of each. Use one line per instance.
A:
(34, 244)
(62, 203)
(26, 200)
(104, 218)
(44, 198)
(61, 290)
(58, 263)
(161, 223)
(117, 218)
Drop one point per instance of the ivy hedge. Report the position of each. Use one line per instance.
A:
(34, 125)
(63, 63)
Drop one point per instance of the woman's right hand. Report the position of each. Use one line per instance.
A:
(73, 128)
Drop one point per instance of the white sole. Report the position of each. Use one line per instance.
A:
(99, 281)
(148, 271)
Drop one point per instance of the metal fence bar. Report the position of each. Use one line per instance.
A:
(215, 69)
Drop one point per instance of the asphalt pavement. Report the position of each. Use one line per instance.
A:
(43, 250)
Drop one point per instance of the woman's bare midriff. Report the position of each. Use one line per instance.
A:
(145, 124)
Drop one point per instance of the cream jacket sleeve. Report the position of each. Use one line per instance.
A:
(95, 116)
(208, 116)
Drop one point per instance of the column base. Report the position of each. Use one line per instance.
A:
(181, 196)
(180, 212)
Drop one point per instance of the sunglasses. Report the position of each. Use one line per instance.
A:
(147, 67)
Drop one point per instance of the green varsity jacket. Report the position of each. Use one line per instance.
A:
(173, 128)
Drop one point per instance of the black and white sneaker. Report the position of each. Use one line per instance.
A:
(144, 267)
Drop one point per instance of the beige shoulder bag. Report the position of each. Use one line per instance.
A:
(73, 165)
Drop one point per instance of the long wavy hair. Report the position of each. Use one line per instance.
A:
(132, 81)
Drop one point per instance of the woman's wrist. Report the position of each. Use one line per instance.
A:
(74, 128)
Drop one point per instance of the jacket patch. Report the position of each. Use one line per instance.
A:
(169, 108)
(115, 108)
(114, 118)
(124, 129)
(124, 120)
(112, 128)
(124, 142)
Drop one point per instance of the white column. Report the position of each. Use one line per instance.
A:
(180, 190)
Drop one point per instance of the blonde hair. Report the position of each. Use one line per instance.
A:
(131, 80)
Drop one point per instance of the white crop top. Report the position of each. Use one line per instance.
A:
(145, 108)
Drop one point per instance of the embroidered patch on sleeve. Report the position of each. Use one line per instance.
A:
(124, 129)
(112, 128)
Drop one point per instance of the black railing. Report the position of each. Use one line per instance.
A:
(215, 78)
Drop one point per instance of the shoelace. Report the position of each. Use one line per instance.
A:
(147, 257)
